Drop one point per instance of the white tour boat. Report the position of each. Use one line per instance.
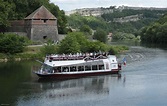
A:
(78, 65)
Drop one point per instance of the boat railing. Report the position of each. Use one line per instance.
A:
(85, 57)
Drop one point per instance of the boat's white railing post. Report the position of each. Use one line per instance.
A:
(84, 67)
(91, 67)
(77, 68)
(61, 69)
(97, 66)
(69, 69)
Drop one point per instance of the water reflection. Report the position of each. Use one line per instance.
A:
(128, 43)
(12, 73)
(148, 45)
(96, 85)
(63, 91)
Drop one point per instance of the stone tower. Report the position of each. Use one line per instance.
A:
(41, 25)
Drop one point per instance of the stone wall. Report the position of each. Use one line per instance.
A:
(16, 26)
(43, 32)
(18, 33)
(36, 30)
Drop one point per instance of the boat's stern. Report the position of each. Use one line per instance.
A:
(115, 66)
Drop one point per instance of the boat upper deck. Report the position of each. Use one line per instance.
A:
(78, 56)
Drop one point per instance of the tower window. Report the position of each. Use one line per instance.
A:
(45, 20)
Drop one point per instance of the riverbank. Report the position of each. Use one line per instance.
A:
(34, 52)
(19, 57)
(30, 53)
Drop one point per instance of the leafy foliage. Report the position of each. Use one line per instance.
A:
(11, 43)
(60, 14)
(6, 8)
(97, 46)
(146, 13)
(156, 32)
(69, 45)
(117, 49)
(76, 21)
(48, 49)
(123, 36)
(86, 29)
(100, 35)
(77, 42)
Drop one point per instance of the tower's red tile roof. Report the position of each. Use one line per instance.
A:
(41, 13)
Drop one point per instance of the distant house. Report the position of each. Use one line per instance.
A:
(38, 26)
(109, 36)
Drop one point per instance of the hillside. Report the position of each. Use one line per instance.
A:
(156, 32)
(123, 19)
(101, 10)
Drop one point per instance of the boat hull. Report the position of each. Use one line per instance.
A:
(76, 75)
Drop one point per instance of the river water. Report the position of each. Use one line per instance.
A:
(143, 82)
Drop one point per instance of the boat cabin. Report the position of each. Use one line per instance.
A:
(99, 65)
(56, 65)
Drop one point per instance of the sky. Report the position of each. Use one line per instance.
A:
(67, 5)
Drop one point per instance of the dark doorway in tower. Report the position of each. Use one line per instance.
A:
(44, 37)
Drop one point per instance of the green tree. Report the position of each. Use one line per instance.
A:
(96, 46)
(5, 10)
(69, 45)
(11, 43)
(77, 42)
(156, 32)
(100, 35)
(123, 36)
(60, 14)
(48, 49)
(77, 21)
(22, 8)
(86, 29)
(81, 39)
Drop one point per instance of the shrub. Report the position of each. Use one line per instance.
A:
(112, 51)
(11, 43)
(48, 49)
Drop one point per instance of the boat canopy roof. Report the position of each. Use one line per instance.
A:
(63, 63)
(73, 62)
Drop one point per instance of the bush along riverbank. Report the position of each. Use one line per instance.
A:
(19, 57)
(33, 53)
(74, 42)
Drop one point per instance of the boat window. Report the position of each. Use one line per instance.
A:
(94, 67)
(73, 69)
(47, 68)
(57, 69)
(101, 67)
(87, 68)
(65, 69)
(80, 68)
